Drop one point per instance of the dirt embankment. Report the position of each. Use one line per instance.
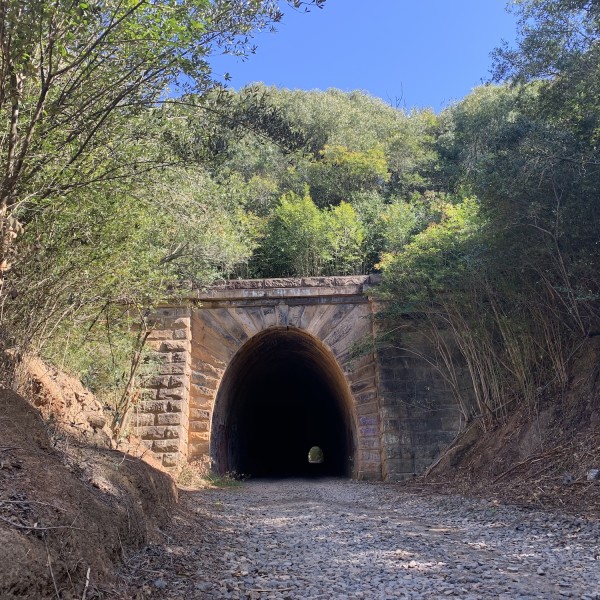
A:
(70, 511)
(540, 457)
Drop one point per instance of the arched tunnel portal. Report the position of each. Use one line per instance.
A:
(282, 394)
(254, 373)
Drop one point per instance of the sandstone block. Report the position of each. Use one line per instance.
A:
(368, 430)
(179, 357)
(201, 402)
(152, 432)
(159, 381)
(170, 459)
(282, 283)
(165, 446)
(168, 419)
(316, 281)
(172, 432)
(202, 380)
(368, 455)
(151, 406)
(198, 414)
(391, 425)
(172, 394)
(369, 472)
(199, 448)
(199, 425)
(160, 360)
(143, 419)
(159, 335)
(390, 440)
(366, 397)
(366, 409)
(183, 321)
(399, 452)
(175, 405)
(178, 381)
(199, 391)
(174, 369)
(369, 444)
(174, 346)
(201, 366)
(147, 395)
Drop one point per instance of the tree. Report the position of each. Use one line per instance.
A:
(345, 234)
(295, 243)
(558, 42)
(73, 74)
(303, 240)
(552, 37)
(341, 172)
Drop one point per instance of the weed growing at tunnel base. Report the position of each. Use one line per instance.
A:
(200, 474)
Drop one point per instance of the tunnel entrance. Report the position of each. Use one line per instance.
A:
(282, 394)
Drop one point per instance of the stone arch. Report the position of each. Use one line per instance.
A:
(196, 344)
(282, 393)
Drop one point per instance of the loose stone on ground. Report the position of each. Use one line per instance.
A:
(299, 539)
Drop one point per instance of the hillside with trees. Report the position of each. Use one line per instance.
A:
(483, 218)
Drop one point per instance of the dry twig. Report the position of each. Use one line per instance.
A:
(51, 570)
(87, 584)
(529, 461)
(34, 528)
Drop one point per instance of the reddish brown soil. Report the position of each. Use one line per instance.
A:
(63, 401)
(69, 513)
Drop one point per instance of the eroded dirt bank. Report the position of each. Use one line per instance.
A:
(69, 511)
(341, 539)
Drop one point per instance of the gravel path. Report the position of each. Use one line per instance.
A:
(342, 539)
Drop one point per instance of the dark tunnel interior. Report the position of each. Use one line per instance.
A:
(282, 394)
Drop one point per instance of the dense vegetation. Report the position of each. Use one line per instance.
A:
(483, 218)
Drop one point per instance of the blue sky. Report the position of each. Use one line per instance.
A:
(418, 53)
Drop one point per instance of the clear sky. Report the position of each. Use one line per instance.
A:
(414, 53)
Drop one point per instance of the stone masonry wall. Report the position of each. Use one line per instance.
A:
(404, 413)
(162, 414)
(419, 416)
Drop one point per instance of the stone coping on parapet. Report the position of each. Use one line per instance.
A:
(287, 287)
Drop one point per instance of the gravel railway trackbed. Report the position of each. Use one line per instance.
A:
(309, 539)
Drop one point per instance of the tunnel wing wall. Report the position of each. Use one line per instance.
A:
(162, 413)
(418, 409)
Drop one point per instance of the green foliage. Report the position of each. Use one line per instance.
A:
(340, 172)
(553, 36)
(342, 148)
(353, 143)
(344, 236)
(303, 240)
(295, 238)
(98, 349)
(433, 261)
(125, 173)
(506, 283)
